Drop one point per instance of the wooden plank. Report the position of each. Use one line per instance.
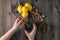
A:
(3, 16)
(8, 14)
(7, 19)
(0, 19)
(19, 34)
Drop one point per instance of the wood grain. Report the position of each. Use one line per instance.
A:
(7, 19)
(0, 19)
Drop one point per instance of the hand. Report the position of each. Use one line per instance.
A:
(15, 27)
(31, 35)
(18, 22)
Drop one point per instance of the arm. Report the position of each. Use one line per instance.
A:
(8, 35)
(15, 27)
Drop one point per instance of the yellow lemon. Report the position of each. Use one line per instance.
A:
(25, 9)
(29, 6)
(19, 9)
(25, 14)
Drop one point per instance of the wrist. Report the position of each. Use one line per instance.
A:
(14, 28)
(31, 39)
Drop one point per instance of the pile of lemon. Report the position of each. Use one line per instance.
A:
(24, 9)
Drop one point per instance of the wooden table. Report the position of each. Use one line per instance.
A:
(7, 19)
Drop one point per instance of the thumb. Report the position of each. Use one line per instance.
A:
(27, 34)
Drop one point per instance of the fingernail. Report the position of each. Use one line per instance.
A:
(23, 20)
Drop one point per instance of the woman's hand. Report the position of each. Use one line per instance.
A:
(15, 27)
(31, 35)
(18, 22)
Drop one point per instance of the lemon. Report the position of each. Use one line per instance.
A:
(19, 9)
(25, 9)
(25, 14)
(29, 6)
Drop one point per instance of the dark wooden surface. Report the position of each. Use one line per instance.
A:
(7, 19)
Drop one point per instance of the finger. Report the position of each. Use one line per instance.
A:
(34, 29)
(27, 34)
(21, 25)
(17, 20)
(21, 21)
